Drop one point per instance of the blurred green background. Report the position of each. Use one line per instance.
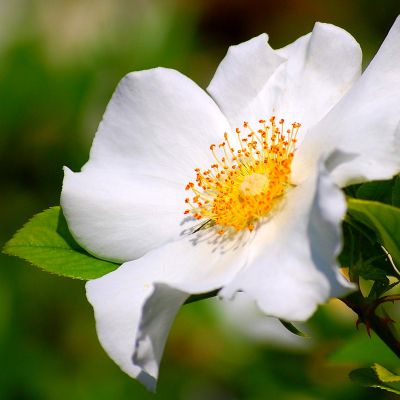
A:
(60, 61)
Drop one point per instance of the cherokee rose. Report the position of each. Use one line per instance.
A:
(265, 195)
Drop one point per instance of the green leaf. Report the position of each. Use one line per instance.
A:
(350, 254)
(385, 375)
(363, 255)
(380, 287)
(291, 328)
(371, 272)
(383, 219)
(203, 296)
(46, 242)
(396, 191)
(377, 377)
(376, 190)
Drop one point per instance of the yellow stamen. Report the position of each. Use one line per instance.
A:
(245, 184)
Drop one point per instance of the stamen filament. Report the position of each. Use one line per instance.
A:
(245, 184)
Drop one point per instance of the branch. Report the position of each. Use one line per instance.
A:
(365, 309)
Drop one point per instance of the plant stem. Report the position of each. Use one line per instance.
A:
(366, 313)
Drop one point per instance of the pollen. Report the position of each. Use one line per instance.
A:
(245, 183)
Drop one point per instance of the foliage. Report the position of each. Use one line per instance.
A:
(377, 377)
(46, 242)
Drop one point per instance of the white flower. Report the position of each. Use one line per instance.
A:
(277, 231)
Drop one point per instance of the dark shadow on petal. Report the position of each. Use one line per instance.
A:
(148, 381)
(158, 314)
(338, 158)
(324, 231)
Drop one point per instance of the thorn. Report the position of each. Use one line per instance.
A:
(387, 320)
(367, 326)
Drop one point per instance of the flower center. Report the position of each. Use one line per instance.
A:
(253, 184)
(244, 184)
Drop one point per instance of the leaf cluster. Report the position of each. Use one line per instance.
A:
(371, 239)
(377, 376)
(371, 252)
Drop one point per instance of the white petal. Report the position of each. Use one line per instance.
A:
(365, 125)
(319, 68)
(158, 123)
(292, 265)
(322, 66)
(117, 300)
(135, 305)
(129, 197)
(241, 76)
(120, 217)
